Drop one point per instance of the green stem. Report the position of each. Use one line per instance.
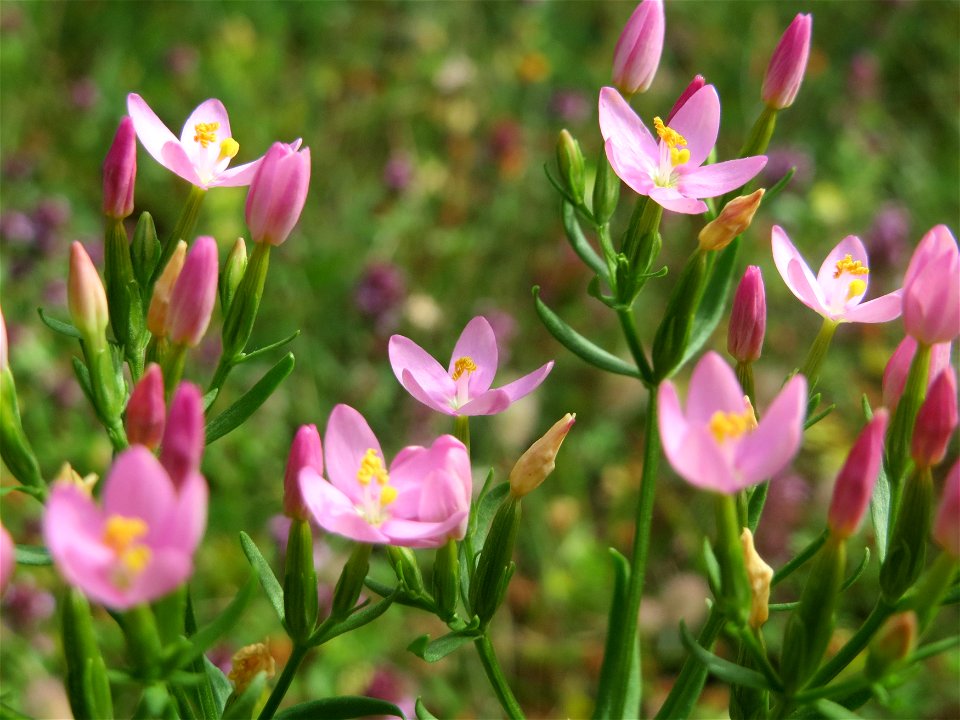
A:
(745, 377)
(855, 645)
(461, 430)
(685, 691)
(629, 327)
(283, 682)
(638, 563)
(181, 231)
(497, 680)
(818, 351)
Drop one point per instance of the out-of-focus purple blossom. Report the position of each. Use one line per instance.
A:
(779, 163)
(387, 684)
(863, 76)
(380, 294)
(25, 605)
(182, 60)
(398, 172)
(51, 215)
(889, 237)
(787, 499)
(85, 94)
(571, 106)
(19, 165)
(17, 228)
(55, 292)
(505, 328)
(222, 656)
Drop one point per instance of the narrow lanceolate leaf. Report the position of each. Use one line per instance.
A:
(880, 513)
(237, 414)
(254, 354)
(724, 670)
(422, 712)
(64, 328)
(432, 650)
(621, 579)
(578, 344)
(714, 302)
(486, 509)
(32, 555)
(219, 683)
(269, 582)
(208, 635)
(579, 243)
(241, 707)
(359, 618)
(340, 708)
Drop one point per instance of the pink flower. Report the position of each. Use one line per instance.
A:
(670, 172)
(4, 342)
(788, 64)
(637, 55)
(464, 388)
(205, 147)
(120, 172)
(946, 528)
(717, 444)
(194, 294)
(936, 421)
(854, 486)
(277, 193)
(183, 436)
(898, 367)
(306, 451)
(931, 289)
(422, 501)
(146, 410)
(139, 545)
(748, 318)
(838, 289)
(8, 560)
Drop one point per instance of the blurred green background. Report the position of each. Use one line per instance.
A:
(429, 124)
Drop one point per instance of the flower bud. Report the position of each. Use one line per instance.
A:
(898, 368)
(854, 486)
(760, 575)
(306, 451)
(695, 84)
(248, 662)
(907, 547)
(183, 436)
(788, 64)
(406, 568)
(570, 162)
(120, 172)
(936, 421)
(446, 580)
(300, 600)
(495, 566)
(160, 302)
(277, 193)
(748, 318)
(538, 461)
(892, 644)
(146, 410)
(232, 274)
(673, 334)
(733, 220)
(931, 289)
(637, 54)
(606, 190)
(194, 294)
(87, 298)
(7, 558)
(4, 343)
(350, 584)
(144, 249)
(946, 528)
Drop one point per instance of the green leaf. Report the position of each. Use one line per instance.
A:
(340, 708)
(728, 672)
(813, 420)
(486, 509)
(779, 185)
(271, 586)
(880, 512)
(236, 414)
(578, 344)
(241, 707)
(797, 561)
(714, 301)
(432, 650)
(858, 572)
(219, 684)
(422, 712)
(83, 378)
(611, 659)
(33, 555)
(207, 636)
(579, 243)
(253, 354)
(833, 711)
(367, 614)
(59, 326)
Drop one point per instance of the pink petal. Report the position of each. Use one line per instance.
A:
(431, 400)
(417, 534)
(713, 387)
(671, 199)
(347, 440)
(528, 383)
(151, 131)
(209, 111)
(881, 309)
(795, 272)
(633, 169)
(699, 122)
(719, 178)
(672, 422)
(834, 290)
(137, 486)
(619, 123)
(478, 342)
(167, 570)
(406, 355)
(334, 511)
(446, 458)
(175, 159)
(189, 518)
(851, 246)
(239, 176)
(490, 403)
(701, 462)
(770, 448)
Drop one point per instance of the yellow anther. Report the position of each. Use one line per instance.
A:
(856, 287)
(228, 149)
(727, 426)
(388, 493)
(121, 532)
(849, 265)
(679, 157)
(463, 365)
(371, 467)
(136, 558)
(671, 137)
(206, 133)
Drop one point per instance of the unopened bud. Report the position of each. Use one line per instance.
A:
(748, 318)
(306, 451)
(406, 568)
(788, 64)
(570, 162)
(732, 221)
(760, 576)
(936, 421)
(854, 486)
(194, 294)
(695, 84)
(160, 302)
(637, 54)
(946, 528)
(183, 436)
(146, 410)
(538, 461)
(898, 368)
(233, 270)
(4, 353)
(277, 193)
(120, 172)
(892, 644)
(350, 584)
(87, 298)
(248, 662)
(300, 601)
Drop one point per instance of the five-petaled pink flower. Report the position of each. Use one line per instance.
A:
(464, 388)
(717, 443)
(671, 171)
(421, 501)
(838, 289)
(205, 147)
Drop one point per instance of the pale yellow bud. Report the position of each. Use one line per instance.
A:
(248, 662)
(69, 475)
(157, 314)
(759, 574)
(538, 461)
(733, 220)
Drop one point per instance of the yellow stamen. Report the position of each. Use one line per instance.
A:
(463, 365)
(856, 287)
(371, 467)
(228, 149)
(671, 137)
(849, 265)
(388, 493)
(679, 157)
(121, 534)
(728, 426)
(136, 558)
(206, 133)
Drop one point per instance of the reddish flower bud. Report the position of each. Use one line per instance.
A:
(160, 300)
(277, 193)
(637, 54)
(537, 462)
(120, 172)
(854, 486)
(898, 367)
(4, 352)
(86, 296)
(788, 64)
(946, 528)
(146, 410)
(733, 220)
(748, 319)
(936, 421)
(183, 436)
(7, 558)
(305, 452)
(194, 294)
(931, 289)
(695, 84)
